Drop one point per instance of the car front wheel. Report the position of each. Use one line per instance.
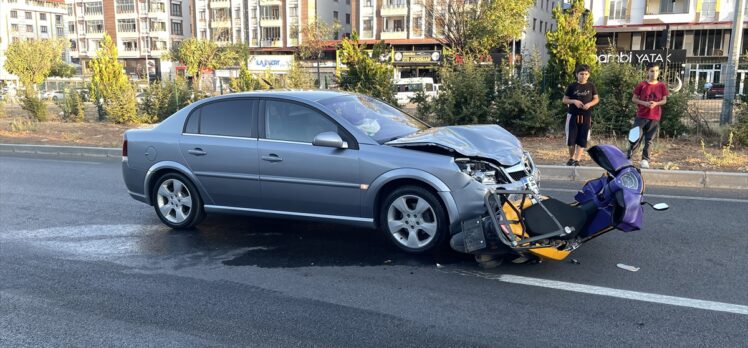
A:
(177, 201)
(414, 220)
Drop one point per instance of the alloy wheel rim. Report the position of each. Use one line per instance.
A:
(411, 221)
(174, 201)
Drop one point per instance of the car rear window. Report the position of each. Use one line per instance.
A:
(224, 117)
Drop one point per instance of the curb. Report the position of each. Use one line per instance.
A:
(62, 150)
(655, 177)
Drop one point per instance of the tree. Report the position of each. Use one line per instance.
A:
(314, 37)
(163, 98)
(364, 74)
(200, 55)
(245, 82)
(32, 60)
(571, 44)
(298, 79)
(472, 28)
(61, 69)
(110, 88)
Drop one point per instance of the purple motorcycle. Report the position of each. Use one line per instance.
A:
(530, 226)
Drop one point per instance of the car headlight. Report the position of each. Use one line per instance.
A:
(482, 172)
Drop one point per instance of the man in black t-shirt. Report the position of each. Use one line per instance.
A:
(580, 96)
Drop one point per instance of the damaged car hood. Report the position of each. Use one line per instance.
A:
(488, 141)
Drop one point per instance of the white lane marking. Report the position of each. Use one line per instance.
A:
(732, 200)
(611, 292)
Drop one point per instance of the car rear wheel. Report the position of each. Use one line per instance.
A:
(414, 220)
(177, 201)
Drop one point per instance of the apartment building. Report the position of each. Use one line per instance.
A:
(698, 32)
(411, 28)
(266, 25)
(29, 20)
(143, 30)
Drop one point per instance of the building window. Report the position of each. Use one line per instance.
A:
(650, 40)
(129, 46)
(203, 35)
(176, 10)
(676, 39)
(270, 12)
(71, 28)
(28, 15)
(42, 16)
(58, 19)
(417, 25)
(237, 13)
(618, 9)
(176, 28)
(126, 25)
(14, 28)
(43, 29)
(202, 15)
(13, 14)
(708, 42)
(158, 26)
(335, 15)
(92, 8)
(94, 27)
(534, 23)
(125, 6)
(347, 2)
(347, 18)
(29, 28)
(60, 31)
(157, 7)
(271, 34)
(367, 3)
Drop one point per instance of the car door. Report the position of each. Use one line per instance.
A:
(219, 144)
(298, 177)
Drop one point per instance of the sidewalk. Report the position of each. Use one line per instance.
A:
(655, 177)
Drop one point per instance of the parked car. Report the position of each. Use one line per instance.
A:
(716, 91)
(406, 88)
(323, 156)
(54, 95)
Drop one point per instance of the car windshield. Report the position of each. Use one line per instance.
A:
(375, 118)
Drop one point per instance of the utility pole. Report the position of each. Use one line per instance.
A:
(732, 63)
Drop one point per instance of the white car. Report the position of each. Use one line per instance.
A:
(54, 95)
(406, 88)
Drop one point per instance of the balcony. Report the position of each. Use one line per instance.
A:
(393, 35)
(272, 43)
(220, 4)
(271, 22)
(220, 24)
(367, 34)
(394, 8)
(665, 7)
(270, 2)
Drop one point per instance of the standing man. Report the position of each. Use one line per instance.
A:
(580, 96)
(649, 96)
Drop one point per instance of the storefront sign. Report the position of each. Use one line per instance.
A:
(641, 57)
(419, 57)
(270, 62)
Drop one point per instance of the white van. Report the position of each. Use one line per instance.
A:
(406, 88)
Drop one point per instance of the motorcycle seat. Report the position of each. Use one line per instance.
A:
(537, 221)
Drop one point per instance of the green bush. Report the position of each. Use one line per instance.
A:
(524, 110)
(35, 106)
(162, 99)
(740, 128)
(466, 95)
(615, 86)
(673, 113)
(72, 107)
(2, 109)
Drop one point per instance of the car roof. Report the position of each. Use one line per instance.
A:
(313, 95)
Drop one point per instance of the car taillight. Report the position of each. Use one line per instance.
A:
(124, 148)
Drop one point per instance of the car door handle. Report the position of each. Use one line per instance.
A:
(272, 158)
(197, 152)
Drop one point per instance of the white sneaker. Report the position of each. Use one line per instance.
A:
(644, 164)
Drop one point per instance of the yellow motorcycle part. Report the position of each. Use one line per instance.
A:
(519, 230)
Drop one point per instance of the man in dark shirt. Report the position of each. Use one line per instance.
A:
(580, 96)
(649, 96)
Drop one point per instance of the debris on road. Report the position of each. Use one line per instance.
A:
(627, 267)
(575, 261)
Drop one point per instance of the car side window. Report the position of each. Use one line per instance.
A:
(293, 122)
(227, 118)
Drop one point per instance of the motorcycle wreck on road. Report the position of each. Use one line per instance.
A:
(526, 225)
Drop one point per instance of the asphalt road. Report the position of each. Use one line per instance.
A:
(83, 264)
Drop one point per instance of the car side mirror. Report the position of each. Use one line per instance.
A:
(330, 139)
(634, 134)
